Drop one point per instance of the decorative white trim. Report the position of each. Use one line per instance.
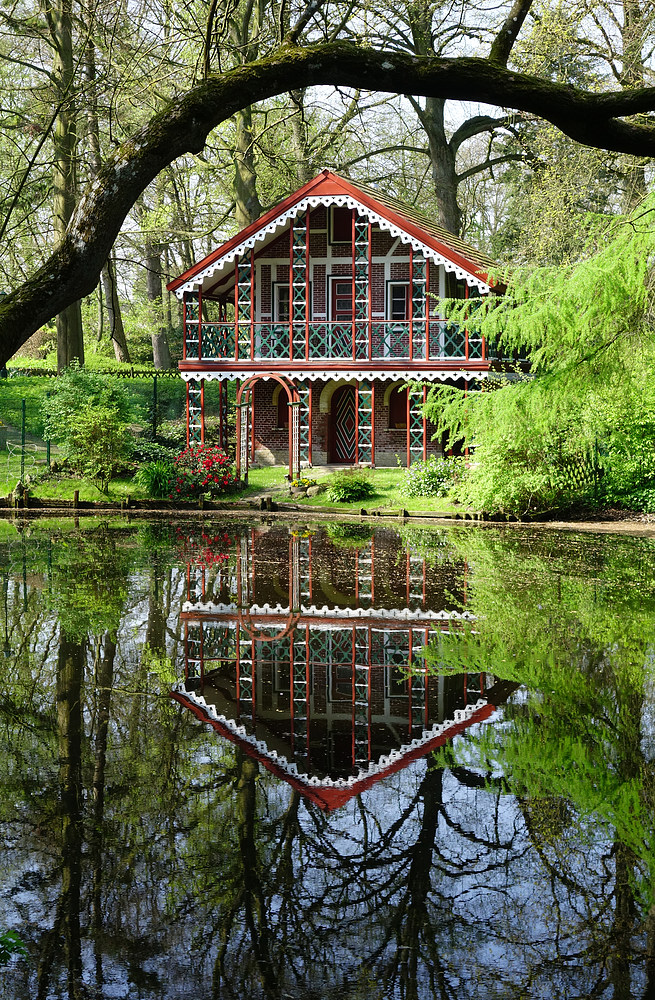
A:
(376, 768)
(393, 614)
(325, 375)
(217, 266)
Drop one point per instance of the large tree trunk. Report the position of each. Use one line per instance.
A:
(442, 160)
(248, 206)
(70, 342)
(114, 315)
(161, 356)
(108, 274)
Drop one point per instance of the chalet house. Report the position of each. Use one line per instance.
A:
(321, 312)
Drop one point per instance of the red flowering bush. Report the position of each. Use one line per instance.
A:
(200, 470)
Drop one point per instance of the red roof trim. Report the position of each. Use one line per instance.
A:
(327, 183)
(325, 797)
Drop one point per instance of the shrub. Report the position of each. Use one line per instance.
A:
(349, 486)
(98, 443)
(432, 478)
(202, 470)
(155, 478)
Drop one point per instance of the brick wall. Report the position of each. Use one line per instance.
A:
(272, 442)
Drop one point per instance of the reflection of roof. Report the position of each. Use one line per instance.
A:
(327, 792)
(324, 612)
(400, 220)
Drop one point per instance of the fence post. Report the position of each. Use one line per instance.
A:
(154, 408)
(47, 444)
(22, 442)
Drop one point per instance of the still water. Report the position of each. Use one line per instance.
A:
(246, 760)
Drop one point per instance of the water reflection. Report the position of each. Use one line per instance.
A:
(145, 856)
(329, 697)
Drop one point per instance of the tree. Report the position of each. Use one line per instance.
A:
(588, 332)
(605, 120)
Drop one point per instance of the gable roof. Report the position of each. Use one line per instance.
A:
(411, 226)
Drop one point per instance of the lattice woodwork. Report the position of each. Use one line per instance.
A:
(271, 341)
(303, 388)
(361, 287)
(416, 429)
(365, 422)
(191, 325)
(194, 401)
(244, 304)
(419, 277)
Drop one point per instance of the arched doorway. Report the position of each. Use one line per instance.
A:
(343, 426)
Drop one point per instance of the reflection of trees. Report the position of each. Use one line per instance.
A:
(519, 859)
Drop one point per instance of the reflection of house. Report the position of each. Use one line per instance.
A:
(320, 693)
(324, 309)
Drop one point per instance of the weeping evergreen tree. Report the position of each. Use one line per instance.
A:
(588, 331)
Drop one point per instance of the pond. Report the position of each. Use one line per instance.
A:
(247, 760)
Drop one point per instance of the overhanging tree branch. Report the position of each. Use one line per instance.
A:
(183, 127)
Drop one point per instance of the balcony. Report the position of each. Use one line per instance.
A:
(380, 343)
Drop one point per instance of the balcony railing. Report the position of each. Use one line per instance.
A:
(377, 342)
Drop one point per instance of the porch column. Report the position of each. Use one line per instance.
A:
(299, 284)
(195, 412)
(364, 404)
(303, 388)
(243, 427)
(243, 306)
(416, 427)
(361, 286)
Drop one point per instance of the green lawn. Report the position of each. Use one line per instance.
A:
(387, 482)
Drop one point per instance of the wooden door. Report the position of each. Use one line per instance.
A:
(343, 448)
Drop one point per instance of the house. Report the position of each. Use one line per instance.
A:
(297, 650)
(322, 311)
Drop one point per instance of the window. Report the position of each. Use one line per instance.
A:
(281, 301)
(398, 301)
(398, 409)
(341, 225)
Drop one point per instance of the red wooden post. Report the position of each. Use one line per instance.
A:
(353, 292)
(199, 324)
(427, 308)
(466, 332)
(290, 296)
(184, 323)
(307, 287)
(409, 410)
(370, 300)
(425, 428)
(202, 411)
(236, 308)
(357, 422)
(372, 420)
(410, 304)
(252, 308)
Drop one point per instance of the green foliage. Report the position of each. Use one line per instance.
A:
(155, 478)
(432, 478)
(350, 485)
(589, 333)
(99, 443)
(349, 536)
(10, 944)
